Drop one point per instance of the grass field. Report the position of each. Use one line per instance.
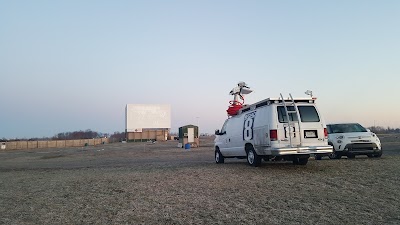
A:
(142, 183)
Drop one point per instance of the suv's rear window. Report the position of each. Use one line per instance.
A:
(345, 128)
(307, 114)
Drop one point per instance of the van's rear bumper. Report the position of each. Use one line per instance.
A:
(298, 150)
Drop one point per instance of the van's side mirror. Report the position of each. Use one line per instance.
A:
(217, 132)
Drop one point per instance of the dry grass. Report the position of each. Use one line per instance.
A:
(140, 183)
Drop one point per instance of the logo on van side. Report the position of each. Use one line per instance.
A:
(248, 126)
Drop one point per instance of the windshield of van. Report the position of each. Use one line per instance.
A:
(223, 129)
(307, 114)
(345, 128)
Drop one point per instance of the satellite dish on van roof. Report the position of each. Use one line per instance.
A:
(241, 89)
(238, 92)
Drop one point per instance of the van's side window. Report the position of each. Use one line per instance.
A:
(282, 114)
(308, 114)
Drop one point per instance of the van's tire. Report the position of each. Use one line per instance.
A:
(318, 157)
(252, 158)
(300, 161)
(219, 158)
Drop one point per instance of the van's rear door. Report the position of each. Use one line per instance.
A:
(306, 131)
(312, 129)
(288, 128)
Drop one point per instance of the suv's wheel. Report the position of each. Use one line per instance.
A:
(252, 158)
(351, 156)
(219, 158)
(378, 155)
(300, 161)
(335, 155)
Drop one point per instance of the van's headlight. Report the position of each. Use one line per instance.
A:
(340, 137)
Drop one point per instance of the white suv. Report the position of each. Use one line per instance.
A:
(351, 139)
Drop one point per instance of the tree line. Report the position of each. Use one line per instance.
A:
(382, 130)
(119, 136)
(74, 135)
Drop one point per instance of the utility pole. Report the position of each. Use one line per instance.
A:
(198, 125)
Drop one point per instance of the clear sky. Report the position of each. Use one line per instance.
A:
(74, 65)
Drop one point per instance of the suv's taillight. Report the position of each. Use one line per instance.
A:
(273, 135)
(325, 133)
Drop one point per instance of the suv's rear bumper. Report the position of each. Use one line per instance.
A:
(298, 150)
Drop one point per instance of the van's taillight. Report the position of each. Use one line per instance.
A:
(326, 133)
(273, 135)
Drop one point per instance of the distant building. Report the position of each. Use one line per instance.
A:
(147, 122)
(189, 134)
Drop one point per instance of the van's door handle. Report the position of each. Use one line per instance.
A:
(229, 140)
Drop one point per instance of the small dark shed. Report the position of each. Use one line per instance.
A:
(189, 134)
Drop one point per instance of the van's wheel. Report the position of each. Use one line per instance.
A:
(318, 157)
(300, 161)
(252, 158)
(219, 158)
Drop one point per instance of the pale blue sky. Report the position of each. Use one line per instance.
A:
(74, 65)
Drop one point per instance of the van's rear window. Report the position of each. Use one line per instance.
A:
(307, 114)
(282, 114)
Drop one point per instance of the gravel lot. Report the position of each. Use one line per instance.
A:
(145, 183)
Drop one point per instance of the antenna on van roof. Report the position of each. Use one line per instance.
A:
(238, 92)
(308, 92)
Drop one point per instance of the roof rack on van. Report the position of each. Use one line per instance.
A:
(269, 101)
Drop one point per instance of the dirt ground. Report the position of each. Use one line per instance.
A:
(145, 183)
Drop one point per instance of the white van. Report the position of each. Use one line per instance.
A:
(274, 129)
